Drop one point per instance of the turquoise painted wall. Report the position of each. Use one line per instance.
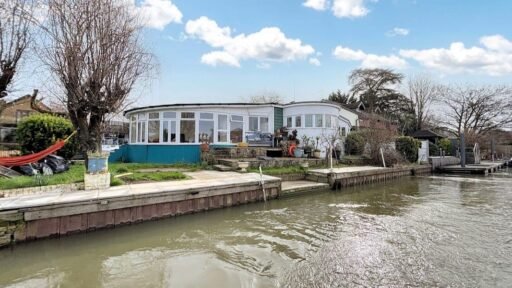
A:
(164, 154)
(278, 118)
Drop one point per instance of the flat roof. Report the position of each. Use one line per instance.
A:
(234, 104)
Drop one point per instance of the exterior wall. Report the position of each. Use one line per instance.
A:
(163, 154)
(302, 109)
(8, 116)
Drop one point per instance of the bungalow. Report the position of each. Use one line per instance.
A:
(173, 133)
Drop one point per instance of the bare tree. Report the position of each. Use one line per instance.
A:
(476, 111)
(96, 54)
(422, 91)
(266, 97)
(15, 25)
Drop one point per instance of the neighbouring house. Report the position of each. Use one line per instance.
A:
(173, 133)
(12, 113)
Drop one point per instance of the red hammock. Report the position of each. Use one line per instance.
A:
(34, 157)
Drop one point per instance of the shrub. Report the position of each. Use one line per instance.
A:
(433, 149)
(446, 145)
(355, 143)
(39, 131)
(408, 147)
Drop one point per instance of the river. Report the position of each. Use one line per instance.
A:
(425, 232)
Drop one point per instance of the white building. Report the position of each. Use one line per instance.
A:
(183, 125)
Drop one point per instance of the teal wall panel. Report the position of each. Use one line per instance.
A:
(173, 154)
(278, 118)
(164, 154)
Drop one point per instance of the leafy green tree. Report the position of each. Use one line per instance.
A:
(39, 131)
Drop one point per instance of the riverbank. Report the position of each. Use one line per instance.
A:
(30, 217)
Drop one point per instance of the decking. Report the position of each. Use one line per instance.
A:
(484, 168)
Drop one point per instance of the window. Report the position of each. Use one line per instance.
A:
(264, 124)
(169, 127)
(298, 121)
(319, 120)
(154, 127)
(309, 120)
(257, 123)
(253, 123)
(141, 132)
(154, 131)
(288, 121)
(141, 128)
(133, 129)
(343, 132)
(206, 127)
(328, 121)
(187, 115)
(187, 128)
(222, 128)
(236, 129)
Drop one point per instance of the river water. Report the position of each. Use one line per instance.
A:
(425, 232)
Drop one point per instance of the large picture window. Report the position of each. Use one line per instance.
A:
(141, 128)
(222, 128)
(257, 123)
(236, 129)
(319, 120)
(309, 120)
(206, 127)
(169, 127)
(187, 127)
(154, 127)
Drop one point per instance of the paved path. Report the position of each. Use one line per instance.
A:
(345, 169)
(202, 180)
(288, 187)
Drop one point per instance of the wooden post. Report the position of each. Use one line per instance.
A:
(462, 151)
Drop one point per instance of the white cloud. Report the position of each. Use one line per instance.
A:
(316, 4)
(268, 44)
(493, 57)
(397, 31)
(157, 13)
(369, 60)
(220, 58)
(349, 8)
(314, 61)
(341, 8)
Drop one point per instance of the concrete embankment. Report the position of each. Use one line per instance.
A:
(32, 217)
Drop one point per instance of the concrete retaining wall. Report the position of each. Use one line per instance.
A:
(437, 162)
(63, 219)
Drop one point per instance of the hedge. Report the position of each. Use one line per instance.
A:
(39, 131)
(355, 143)
(408, 147)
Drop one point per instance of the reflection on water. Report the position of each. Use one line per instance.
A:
(427, 231)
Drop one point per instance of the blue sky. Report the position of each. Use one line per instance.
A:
(304, 53)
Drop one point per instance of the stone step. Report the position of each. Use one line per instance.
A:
(223, 168)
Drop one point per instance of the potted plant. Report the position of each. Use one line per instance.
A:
(316, 152)
(308, 150)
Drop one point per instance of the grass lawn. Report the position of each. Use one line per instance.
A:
(288, 169)
(76, 175)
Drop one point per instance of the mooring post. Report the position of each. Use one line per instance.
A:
(462, 151)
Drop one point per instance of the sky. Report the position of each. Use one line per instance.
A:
(230, 50)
